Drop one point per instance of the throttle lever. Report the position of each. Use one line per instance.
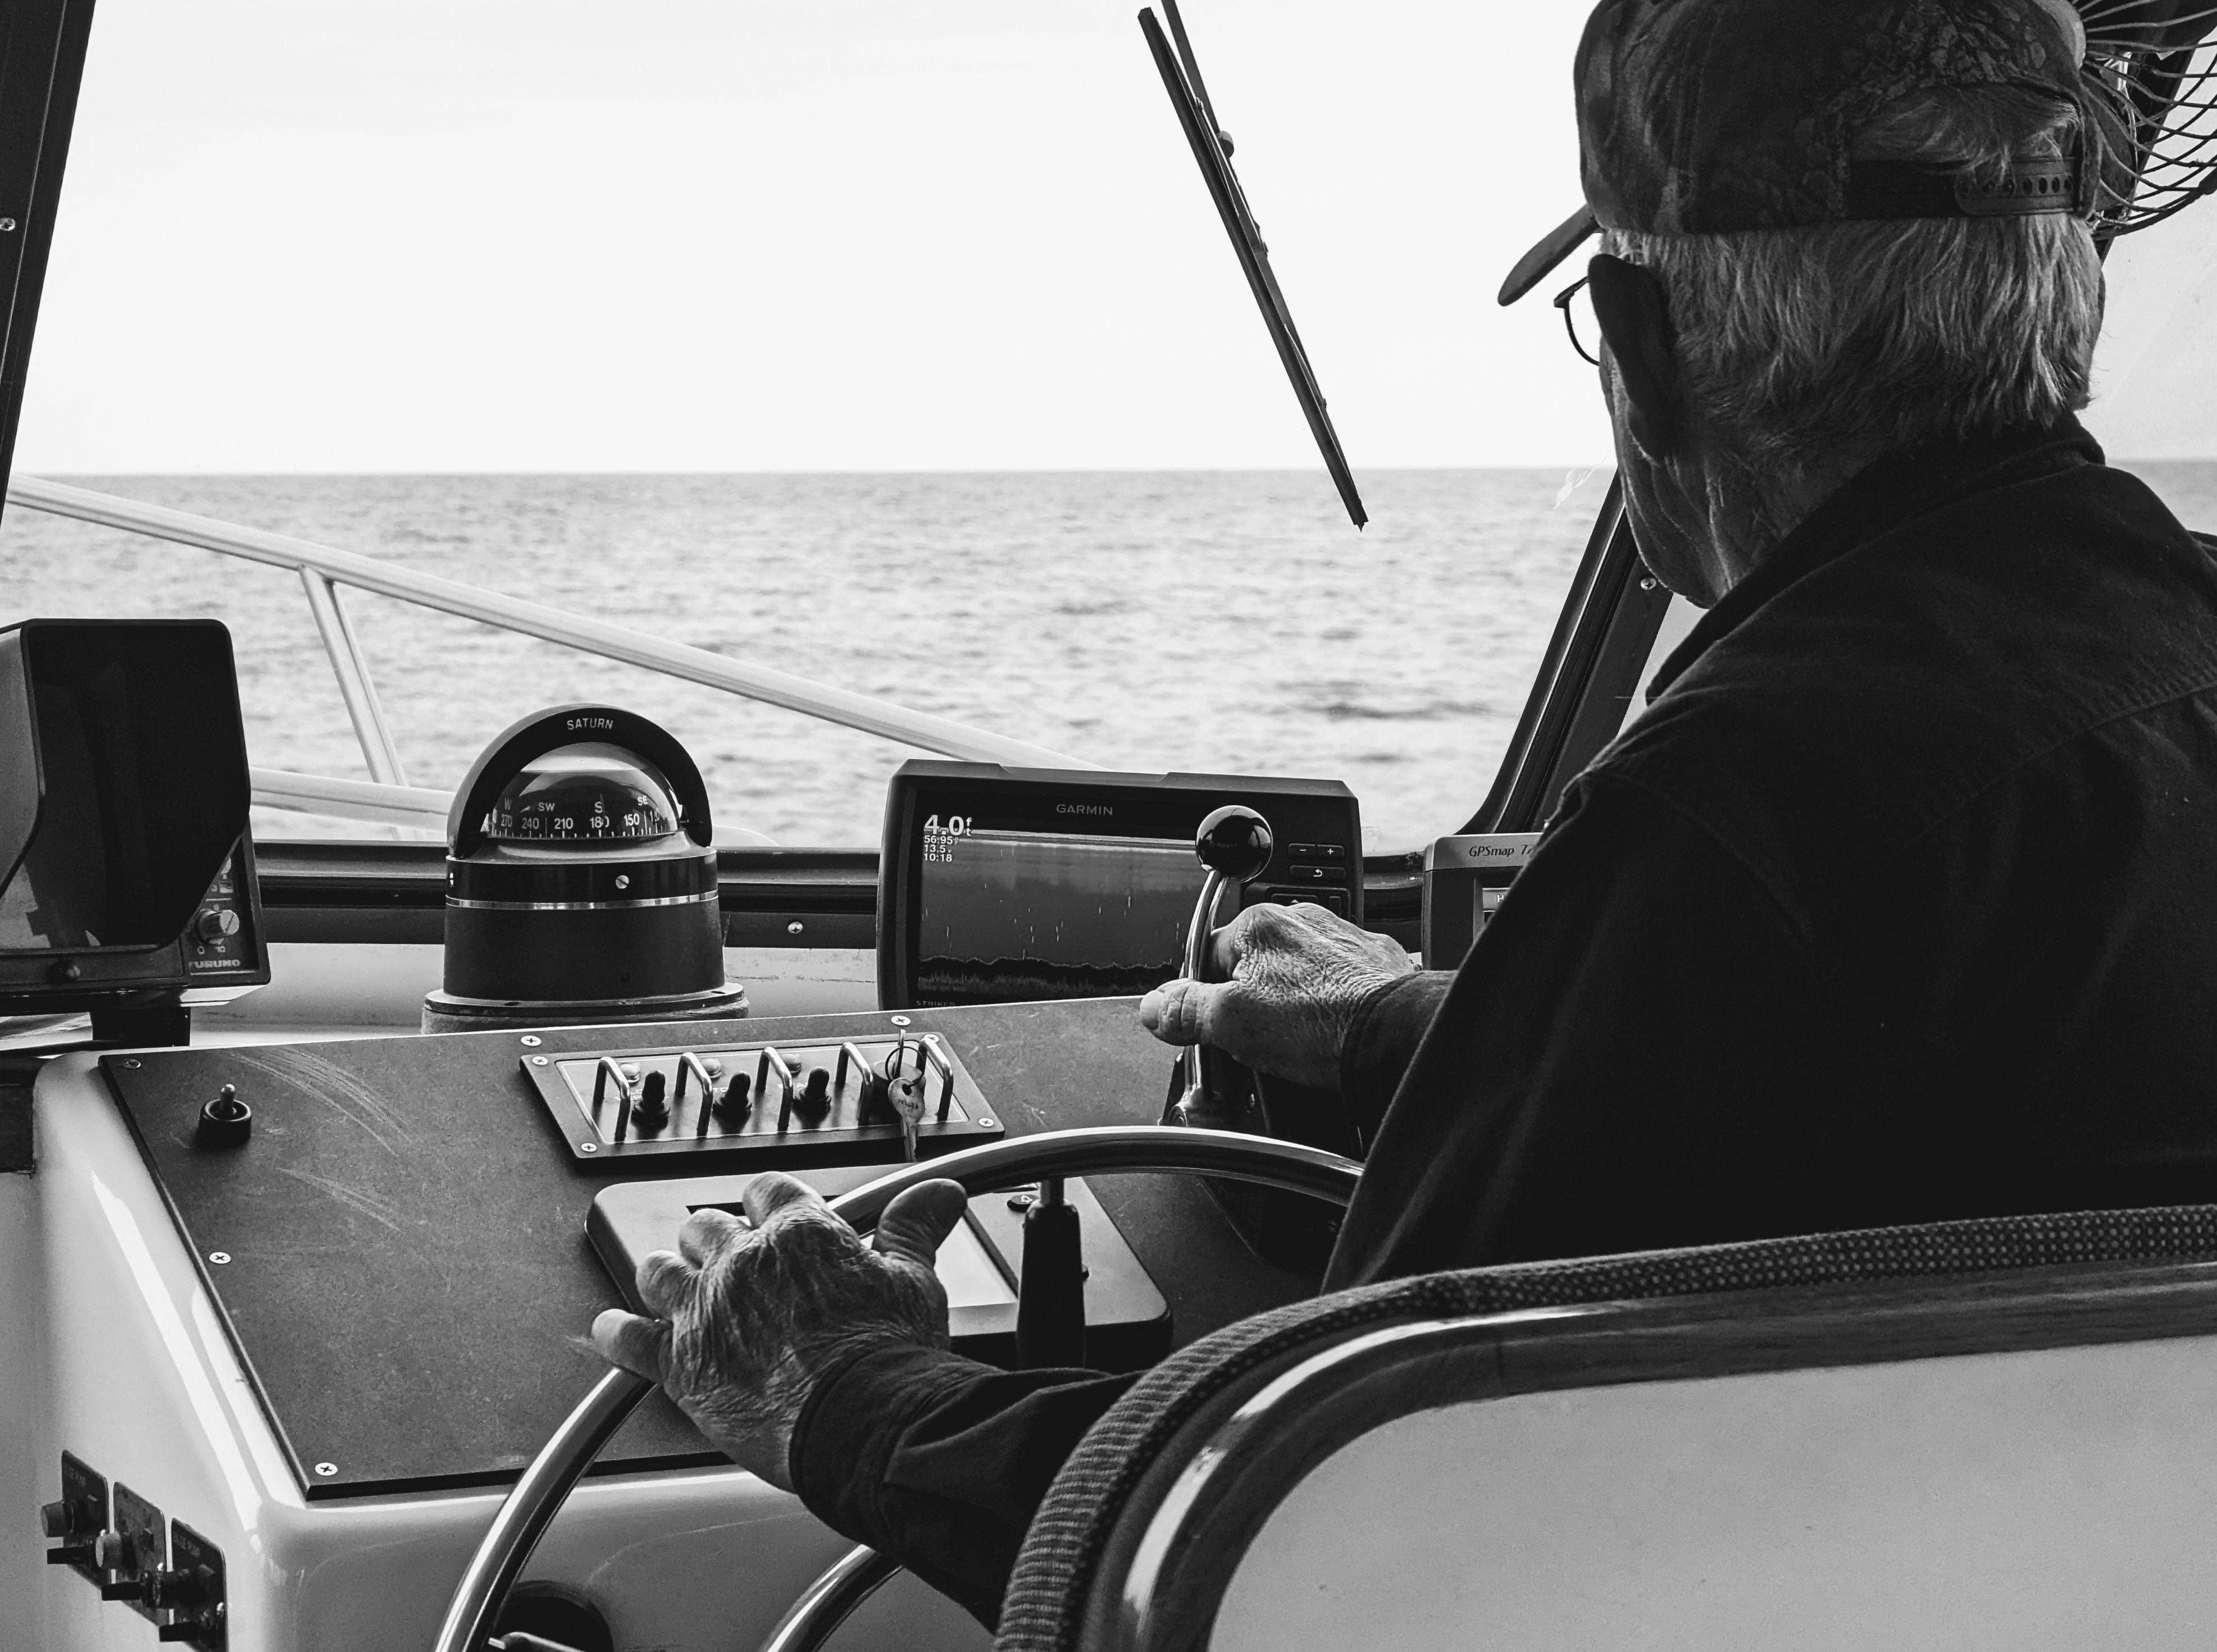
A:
(1234, 843)
(1051, 1287)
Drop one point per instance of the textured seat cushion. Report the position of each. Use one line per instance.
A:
(1047, 1594)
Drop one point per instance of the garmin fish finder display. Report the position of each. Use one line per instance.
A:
(1021, 907)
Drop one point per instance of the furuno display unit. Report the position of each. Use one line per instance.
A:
(1008, 884)
(127, 872)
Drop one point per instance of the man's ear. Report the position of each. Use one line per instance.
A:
(1635, 320)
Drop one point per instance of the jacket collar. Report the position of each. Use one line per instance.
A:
(1881, 497)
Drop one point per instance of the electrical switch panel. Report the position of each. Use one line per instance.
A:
(884, 1096)
(78, 1520)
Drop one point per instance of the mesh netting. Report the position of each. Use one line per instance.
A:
(2154, 64)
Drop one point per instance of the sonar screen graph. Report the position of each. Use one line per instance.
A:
(1008, 915)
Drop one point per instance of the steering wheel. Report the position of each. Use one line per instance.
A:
(539, 1494)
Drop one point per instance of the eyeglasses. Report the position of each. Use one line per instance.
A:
(1579, 319)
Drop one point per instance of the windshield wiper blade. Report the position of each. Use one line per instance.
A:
(1212, 150)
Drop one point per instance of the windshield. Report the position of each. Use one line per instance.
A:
(2155, 405)
(892, 348)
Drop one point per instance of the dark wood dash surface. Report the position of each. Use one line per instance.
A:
(409, 1281)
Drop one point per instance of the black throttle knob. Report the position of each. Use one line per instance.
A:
(1236, 841)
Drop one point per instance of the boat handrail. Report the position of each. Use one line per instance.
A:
(387, 797)
(419, 806)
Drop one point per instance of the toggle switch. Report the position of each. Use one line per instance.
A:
(78, 1545)
(169, 1589)
(734, 1103)
(134, 1549)
(814, 1104)
(77, 1519)
(191, 1589)
(224, 1122)
(652, 1110)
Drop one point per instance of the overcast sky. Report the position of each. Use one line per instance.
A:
(515, 234)
(851, 234)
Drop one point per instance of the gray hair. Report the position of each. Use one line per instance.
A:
(1797, 342)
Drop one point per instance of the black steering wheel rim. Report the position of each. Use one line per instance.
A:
(543, 1485)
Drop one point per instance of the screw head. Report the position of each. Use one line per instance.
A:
(219, 1257)
(588, 1147)
(900, 1020)
(7, 225)
(1022, 1201)
(793, 928)
(531, 1040)
(132, 1061)
(539, 1060)
(984, 1123)
(327, 1469)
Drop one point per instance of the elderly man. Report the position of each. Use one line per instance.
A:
(1898, 904)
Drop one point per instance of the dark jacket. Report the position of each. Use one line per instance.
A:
(1898, 904)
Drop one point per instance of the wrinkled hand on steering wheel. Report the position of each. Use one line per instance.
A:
(750, 1313)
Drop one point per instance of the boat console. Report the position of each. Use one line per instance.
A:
(307, 1306)
(315, 1173)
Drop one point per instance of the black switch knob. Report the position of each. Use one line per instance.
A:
(112, 1551)
(216, 924)
(1236, 841)
(224, 1122)
(169, 1589)
(652, 1112)
(78, 1522)
(814, 1101)
(733, 1105)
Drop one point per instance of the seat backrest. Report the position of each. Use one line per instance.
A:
(1952, 1435)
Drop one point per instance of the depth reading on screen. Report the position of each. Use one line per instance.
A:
(939, 838)
(1033, 903)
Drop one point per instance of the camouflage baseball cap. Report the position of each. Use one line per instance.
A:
(1704, 116)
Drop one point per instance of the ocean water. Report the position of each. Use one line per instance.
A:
(1208, 621)
(1203, 621)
